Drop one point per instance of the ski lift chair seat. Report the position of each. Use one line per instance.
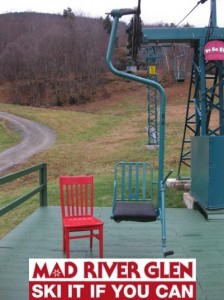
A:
(133, 190)
(138, 212)
(180, 76)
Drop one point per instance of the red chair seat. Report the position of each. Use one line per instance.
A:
(82, 222)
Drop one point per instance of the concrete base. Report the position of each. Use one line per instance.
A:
(189, 201)
(178, 184)
(152, 147)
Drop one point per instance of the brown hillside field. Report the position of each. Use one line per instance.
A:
(116, 97)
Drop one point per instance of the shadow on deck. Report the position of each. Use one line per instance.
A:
(189, 234)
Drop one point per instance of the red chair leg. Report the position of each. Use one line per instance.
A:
(67, 243)
(101, 241)
(64, 244)
(91, 240)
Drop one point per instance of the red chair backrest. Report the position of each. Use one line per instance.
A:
(77, 195)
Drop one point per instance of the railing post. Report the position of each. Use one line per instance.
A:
(43, 183)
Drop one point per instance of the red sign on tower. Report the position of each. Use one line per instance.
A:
(214, 50)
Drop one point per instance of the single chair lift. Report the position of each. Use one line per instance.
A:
(132, 200)
(180, 64)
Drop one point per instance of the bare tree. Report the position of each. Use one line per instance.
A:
(52, 59)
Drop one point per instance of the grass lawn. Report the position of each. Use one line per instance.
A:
(9, 137)
(91, 138)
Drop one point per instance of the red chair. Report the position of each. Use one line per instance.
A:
(77, 203)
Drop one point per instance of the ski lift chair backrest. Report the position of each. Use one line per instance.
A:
(133, 191)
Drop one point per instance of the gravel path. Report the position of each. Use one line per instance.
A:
(35, 138)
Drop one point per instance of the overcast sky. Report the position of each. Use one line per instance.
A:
(153, 11)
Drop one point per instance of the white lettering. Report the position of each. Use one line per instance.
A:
(97, 290)
(131, 291)
(175, 291)
(77, 288)
(53, 291)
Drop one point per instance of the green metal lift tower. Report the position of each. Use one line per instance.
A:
(203, 138)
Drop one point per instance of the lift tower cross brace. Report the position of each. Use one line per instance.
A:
(152, 129)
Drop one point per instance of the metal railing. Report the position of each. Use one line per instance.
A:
(41, 188)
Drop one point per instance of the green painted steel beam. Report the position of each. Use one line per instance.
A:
(179, 35)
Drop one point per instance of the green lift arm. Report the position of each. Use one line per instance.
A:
(117, 14)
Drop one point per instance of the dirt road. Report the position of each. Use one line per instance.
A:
(35, 138)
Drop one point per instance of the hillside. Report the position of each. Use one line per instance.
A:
(52, 59)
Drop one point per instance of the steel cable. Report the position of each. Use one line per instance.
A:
(199, 2)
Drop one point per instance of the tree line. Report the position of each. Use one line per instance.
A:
(52, 59)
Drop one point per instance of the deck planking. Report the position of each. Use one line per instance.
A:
(189, 234)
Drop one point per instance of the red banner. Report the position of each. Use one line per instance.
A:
(112, 290)
(103, 279)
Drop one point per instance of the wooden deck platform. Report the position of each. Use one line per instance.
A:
(189, 234)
